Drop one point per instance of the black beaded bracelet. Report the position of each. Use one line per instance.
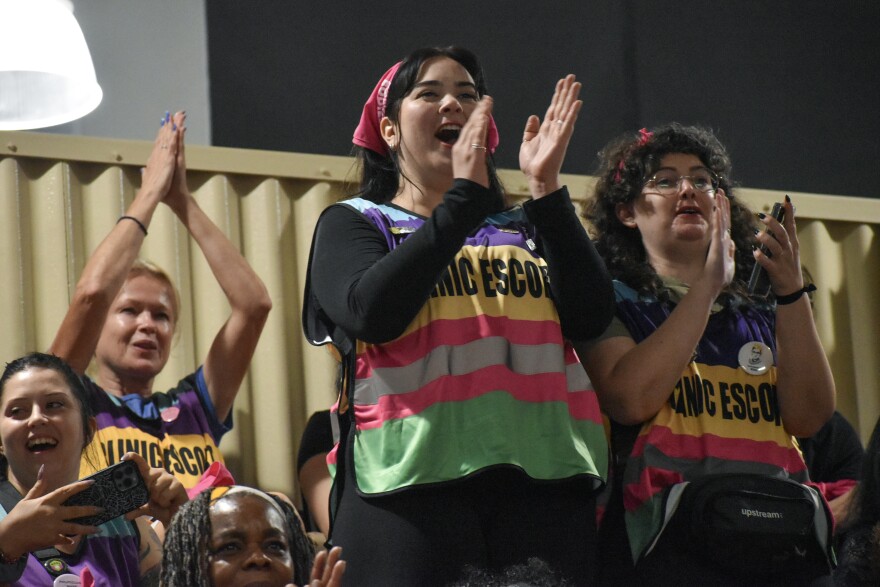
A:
(793, 297)
(132, 218)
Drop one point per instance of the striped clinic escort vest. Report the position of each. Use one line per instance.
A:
(481, 377)
(718, 418)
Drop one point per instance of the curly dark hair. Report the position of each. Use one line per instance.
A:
(381, 173)
(621, 247)
(185, 558)
(533, 573)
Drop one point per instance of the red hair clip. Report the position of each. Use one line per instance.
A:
(644, 136)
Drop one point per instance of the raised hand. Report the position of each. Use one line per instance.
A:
(720, 262)
(166, 492)
(179, 191)
(157, 175)
(328, 569)
(545, 142)
(40, 521)
(469, 151)
(784, 266)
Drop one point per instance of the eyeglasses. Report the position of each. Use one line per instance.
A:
(668, 183)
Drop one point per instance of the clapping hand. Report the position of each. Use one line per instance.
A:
(545, 142)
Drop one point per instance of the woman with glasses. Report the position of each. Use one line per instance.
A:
(698, 376)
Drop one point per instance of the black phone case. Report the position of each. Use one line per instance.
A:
(759, 283)
(118, 489)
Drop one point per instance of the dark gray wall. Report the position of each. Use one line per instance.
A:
(790, 86)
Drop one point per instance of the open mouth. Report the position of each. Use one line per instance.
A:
(41, 443)
(448, 133)
(689, 211)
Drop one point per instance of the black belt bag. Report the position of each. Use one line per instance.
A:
(753, 525)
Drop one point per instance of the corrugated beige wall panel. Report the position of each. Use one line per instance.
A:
(44, 225)
(862, 253)
(822, 254)
(275, 405)
(319, 367)
(15, 265)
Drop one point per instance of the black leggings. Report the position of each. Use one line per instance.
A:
(426, 536)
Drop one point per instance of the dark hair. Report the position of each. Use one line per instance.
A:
(865, 509)
(534, 573)
(53, 363)
(185, 549)
(621, 246)
(380, 173)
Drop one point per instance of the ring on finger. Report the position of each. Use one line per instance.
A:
(478, 147)
(560, 121)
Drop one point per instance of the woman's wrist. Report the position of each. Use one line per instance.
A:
(795, 295)
(541, 187)
(10, 555)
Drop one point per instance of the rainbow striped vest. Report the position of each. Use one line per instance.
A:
(481, 377)
(719, 418)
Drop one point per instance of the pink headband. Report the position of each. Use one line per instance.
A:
(367, 134)
(644, 136)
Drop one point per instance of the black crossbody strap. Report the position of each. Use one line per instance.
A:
(9, 498)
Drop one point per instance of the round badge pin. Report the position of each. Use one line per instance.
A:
(66, 580)
(55, 566)
(170, 414)
(755, 358)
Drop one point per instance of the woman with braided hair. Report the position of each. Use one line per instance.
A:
(230, 536)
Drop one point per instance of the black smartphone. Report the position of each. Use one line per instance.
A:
(118, 489)
(759, 283)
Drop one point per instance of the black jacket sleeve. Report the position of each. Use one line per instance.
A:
(373, 293)
(580, 283)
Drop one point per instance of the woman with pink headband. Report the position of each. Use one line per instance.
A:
(469, 433)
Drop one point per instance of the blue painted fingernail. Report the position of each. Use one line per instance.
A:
(787, 199)
(761, 215)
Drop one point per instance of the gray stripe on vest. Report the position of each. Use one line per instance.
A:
(468, 358)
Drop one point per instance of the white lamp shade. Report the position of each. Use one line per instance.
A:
(46, 71)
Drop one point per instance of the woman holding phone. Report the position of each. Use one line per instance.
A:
(46, 424)
(703, 381)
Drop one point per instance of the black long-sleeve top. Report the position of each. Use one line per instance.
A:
(373, 294)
